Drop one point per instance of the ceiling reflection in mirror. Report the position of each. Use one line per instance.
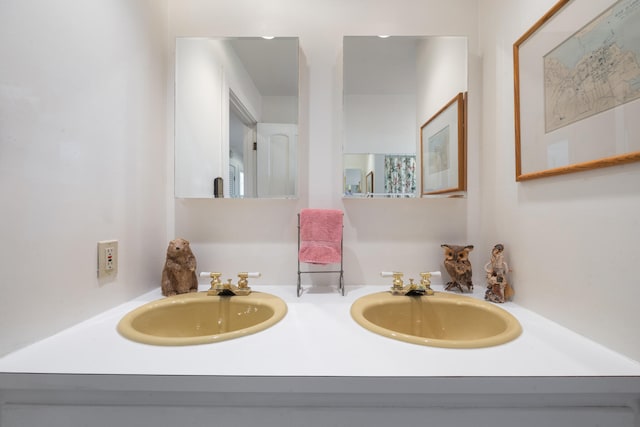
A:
(391, 86)
(236, 117)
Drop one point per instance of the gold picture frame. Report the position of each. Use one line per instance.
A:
(574, 109)
(443, 149)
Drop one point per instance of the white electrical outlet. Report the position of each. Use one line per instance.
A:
(109, 261)
(107, 258)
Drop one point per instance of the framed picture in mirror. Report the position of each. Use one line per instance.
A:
(577, 89)
(443, 149)
(369, 182)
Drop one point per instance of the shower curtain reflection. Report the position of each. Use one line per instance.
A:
(400, 175)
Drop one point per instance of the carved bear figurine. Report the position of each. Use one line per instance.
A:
(179, 273)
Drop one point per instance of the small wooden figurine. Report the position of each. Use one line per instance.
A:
(456, 261)
(179, 273)
(498, 288)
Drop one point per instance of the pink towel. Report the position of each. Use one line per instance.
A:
(320, 236)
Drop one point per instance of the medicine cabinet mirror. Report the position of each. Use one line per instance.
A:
(391, 87)
(236, 117)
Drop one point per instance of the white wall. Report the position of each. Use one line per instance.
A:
(82, 158)
(572, 241)
(280, 109)
(405, 235)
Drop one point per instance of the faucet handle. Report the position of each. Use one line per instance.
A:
(215, 279)
(426, 280)
(250, 274)
(428, 275)
(435, 273)
(243, 283)
(397, 278)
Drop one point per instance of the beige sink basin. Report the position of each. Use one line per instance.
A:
(197, 318)
(441, 320)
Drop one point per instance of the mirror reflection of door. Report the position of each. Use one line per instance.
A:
(276, 159)
(242, 163)
(262, 156)
(223, 87)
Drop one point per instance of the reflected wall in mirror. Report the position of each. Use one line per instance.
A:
(391, 86)
(236, 117)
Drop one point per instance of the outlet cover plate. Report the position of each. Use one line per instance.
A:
(107, 258)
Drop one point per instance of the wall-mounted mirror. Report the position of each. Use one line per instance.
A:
(236, 117)
(391, 87)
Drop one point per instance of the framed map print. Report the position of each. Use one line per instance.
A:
(577, 88)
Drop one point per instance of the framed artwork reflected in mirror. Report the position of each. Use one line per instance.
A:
(369, 182)
(443, 149)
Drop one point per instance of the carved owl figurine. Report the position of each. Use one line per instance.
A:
(456, 261)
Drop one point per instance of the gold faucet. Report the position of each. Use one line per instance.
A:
(412, 289)
(216, 284)
(397, 286)
(243, 282)
(219, 288)
(425, 283)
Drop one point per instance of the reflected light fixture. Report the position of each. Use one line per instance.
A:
(384, 36)
(268, 37)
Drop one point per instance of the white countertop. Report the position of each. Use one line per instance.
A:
(318, 338)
